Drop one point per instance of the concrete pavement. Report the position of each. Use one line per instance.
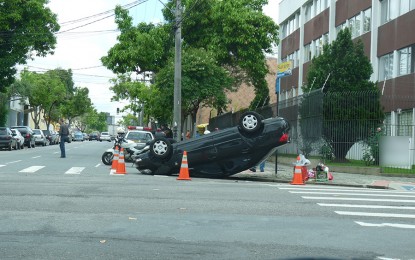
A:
(285, 175)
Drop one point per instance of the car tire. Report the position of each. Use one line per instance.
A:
(22, 146)
(10, 147)
(107, 158)
(250, 122)
(160, 148)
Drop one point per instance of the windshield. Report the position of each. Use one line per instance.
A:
(139, 136)
(36, 131)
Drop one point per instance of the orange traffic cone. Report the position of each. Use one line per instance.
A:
(115, 160)
(121, 163)
(298, 175)
(184, 169)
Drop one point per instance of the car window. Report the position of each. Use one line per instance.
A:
(139, 136)
(36, 131)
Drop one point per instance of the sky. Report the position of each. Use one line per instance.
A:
(81, 49)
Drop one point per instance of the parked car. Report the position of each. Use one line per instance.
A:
(19, 138)
(94, 136)
(40, 137)
(27, 132)
(78, 136)
(105, 136)
(6, 139)
(52, 136)
(220, 153)
(86, 137)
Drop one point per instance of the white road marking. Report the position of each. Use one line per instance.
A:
(384, 225)
(354, 194)
(97, 165)
(75, 170)
(350, 190)
(356, 199)
(14, 162)
(365, 206)
(371, 214)
(1, 165)
(36, 157)
(32, 169)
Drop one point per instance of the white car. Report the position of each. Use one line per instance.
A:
(19, 138)
(40, 137)
(139, 136)
(105, 136)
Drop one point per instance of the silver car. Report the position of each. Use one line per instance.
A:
(19, 138)
(105, 136)
(40, 137)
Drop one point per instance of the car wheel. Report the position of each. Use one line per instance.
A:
(10, 147)
(250, 122)
(107, 158)
(22, 146)
(16, 146)
(160, 148)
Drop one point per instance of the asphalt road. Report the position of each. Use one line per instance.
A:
(72, 208)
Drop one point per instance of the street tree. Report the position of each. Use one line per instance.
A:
(27, 29)
(204, 83)
(95, 121)
(351, 108)
(236, 33)
(78, 104)
(43, 92)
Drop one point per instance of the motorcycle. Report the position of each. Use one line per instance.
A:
(130, 148)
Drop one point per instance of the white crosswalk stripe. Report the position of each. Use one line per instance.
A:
(32, 169)
(75, 170)
(386, 204)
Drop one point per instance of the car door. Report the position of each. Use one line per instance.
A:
(199, 150)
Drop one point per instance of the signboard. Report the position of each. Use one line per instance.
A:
(284, 70)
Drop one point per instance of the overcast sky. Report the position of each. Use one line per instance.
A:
(80, 49)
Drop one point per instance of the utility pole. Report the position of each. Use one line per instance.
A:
(177, 106)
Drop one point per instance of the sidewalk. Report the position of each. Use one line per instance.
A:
(285, 175)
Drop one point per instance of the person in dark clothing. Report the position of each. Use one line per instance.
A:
(167, 131)
(63, 133)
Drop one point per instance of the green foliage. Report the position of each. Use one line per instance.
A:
(234, 34)
(371, 154)
(78, 104)
(27, 28)
(3, 109)
(44, 92)
(204, 83)
(351, 102)
(95, 121)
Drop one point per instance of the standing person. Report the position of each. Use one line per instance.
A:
(188, 134)
(261, 167)
(63, 133)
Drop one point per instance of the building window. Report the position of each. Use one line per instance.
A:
(318, 47)
(367, 18)
(307, 52)
(406, 60)
(308, 11)
(385, 67)
(340, 27)
(390, 9)
(354, 24)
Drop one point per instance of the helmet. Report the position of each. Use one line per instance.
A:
(120, 130)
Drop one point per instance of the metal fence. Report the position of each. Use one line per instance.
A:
(348, 128)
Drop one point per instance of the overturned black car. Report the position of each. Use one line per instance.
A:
(221, 153)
